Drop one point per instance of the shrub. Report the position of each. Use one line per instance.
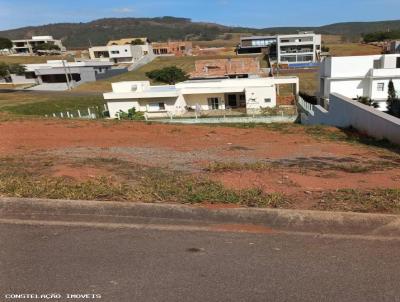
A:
(169, 75)
(132, 114)
(367, 101)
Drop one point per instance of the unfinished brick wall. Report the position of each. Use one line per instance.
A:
(225, 67)
(285, 100)
(177, 48)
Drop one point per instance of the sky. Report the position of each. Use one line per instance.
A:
(254, 13)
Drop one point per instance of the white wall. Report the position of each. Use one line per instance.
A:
(202, 99)
(116, 106)
(344, 112)
(255, 97)
(348, 88)
(355, 66)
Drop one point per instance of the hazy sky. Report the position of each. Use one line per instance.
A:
(254, 13)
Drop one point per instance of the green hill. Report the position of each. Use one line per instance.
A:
(100, 31)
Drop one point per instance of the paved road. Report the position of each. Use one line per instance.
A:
(133, 264)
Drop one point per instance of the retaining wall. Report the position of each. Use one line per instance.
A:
(344, 112)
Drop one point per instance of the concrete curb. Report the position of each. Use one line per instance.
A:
(285, 220)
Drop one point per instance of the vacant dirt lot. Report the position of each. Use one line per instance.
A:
(276, 165)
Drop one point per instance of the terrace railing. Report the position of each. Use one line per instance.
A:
(308, 107)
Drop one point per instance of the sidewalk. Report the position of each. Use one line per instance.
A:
(197, 217)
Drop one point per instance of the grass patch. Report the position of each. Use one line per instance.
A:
(55, 104)
(19, 178)
(31, 59)
(372, 201)
(353, 49)
(304, 164)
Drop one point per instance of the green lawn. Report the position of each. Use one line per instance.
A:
(42, 104)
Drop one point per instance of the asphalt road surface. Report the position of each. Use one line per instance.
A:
(123, 264)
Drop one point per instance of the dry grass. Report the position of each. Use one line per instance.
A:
(308, 81)
(331, 39)
(353, 49)
(30, 59)
(372, 201)
(305, 165)
(21, 178)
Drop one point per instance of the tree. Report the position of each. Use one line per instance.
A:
(6, 70)
(391, 91)
(17, 69)
(325, 48)
(169, 75)
(137, 42)
(393, 102)
(5, 43)
(46, 47)
(3, 70)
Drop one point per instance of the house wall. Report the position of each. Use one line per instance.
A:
(383, 95)
(359, 76)
(223, 67)
(21, 79)
(115, 106)
(349, 88)
(202, 99)
(260, 97)
(173, 106)
(173, 48)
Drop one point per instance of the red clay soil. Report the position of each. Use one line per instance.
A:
(28, 136)
(200, 144)
(80, 173)
(289, 183)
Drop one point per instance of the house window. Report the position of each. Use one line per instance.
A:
(157, 107)
(213, 103)
(268, 100)
(398, 62)
(381, 87)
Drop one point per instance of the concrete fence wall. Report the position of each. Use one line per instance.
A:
(143, 61)
(230, 120)
(111, 73)
(344, 112)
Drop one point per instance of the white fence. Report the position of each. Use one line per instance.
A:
(305, 105)
(344, 112)
(88, 113)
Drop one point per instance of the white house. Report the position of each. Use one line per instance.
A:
(28, 46)
(56, 71)
(198, 95)
(122, 51)
(360, 76)
(304, 47)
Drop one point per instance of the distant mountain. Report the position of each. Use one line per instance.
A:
(100, 31)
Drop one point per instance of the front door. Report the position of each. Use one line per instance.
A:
(213, 103)
(232, 101)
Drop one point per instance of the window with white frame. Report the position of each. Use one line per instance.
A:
(381, 87)
(156, 107)
(213, 103)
